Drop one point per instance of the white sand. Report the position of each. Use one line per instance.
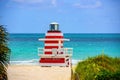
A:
(29, 72)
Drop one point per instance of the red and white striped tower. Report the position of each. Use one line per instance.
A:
(53, 53)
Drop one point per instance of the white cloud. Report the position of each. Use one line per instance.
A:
(88, 4)
(37, 4)
(28, 1)
(54, 2)
(43, 2)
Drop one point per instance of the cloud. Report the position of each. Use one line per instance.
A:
(33, 2)
(37, 4)
(28, 1)
(88, 4)
(54, 2)
(61, 4)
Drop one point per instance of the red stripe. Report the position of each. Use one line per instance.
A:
(48, 52)
(54, 37)
(54, 31)
(51, 53)
(50, 47)
(53, 42)
(52, 60)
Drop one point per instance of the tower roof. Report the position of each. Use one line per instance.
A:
(54, 23)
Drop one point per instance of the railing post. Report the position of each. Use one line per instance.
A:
(54, 52)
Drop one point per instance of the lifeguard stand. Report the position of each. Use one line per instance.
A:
(53, 53)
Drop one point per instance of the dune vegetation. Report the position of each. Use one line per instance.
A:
(101, 67)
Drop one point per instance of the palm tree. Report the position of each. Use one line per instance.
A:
(4, 53)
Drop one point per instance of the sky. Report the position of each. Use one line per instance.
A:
(73, 16)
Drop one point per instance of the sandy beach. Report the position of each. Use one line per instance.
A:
(35, 72)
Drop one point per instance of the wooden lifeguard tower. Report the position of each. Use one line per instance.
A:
(54, 53)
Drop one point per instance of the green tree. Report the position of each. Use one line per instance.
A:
(4, 53)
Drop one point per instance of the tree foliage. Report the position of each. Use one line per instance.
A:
(4, 53)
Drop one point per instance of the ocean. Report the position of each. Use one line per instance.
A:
(24, 47)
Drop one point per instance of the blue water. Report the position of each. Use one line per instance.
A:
(24, 46)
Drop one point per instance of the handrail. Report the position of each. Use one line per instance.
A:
(64, 50)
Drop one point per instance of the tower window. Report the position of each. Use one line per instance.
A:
(54, 27)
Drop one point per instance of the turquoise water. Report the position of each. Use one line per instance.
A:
(24, 46)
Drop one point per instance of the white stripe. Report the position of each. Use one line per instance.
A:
(46, 44)
(47, 50)
(53, 64)
(54, 34)
(42, 49)
(51, 55)
(56, 39)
